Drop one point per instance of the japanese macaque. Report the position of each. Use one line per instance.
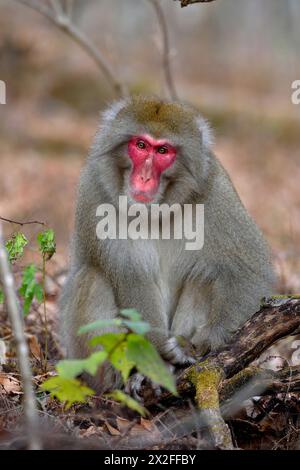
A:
(157, 152)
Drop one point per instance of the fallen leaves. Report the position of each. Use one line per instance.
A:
(10, 384)
(34, 346)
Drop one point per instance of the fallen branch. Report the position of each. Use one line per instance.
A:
(229, 374)
(15, 317)
(279, 318)
(261, 381)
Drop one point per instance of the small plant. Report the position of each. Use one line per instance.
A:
(125, 350)
(31, 289)
(47, 247)
(15, 246)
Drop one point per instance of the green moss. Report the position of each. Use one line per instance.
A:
(238, 380)
(206, 382)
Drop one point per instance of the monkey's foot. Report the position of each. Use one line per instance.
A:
(175, 353)
(137, 383)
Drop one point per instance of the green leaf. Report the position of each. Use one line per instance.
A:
(100, 324)
(39, 293)
(126, 400)
(139, 327)
(30, 288)
(69, 369)
(118, 358)
(27, 304)
(109, 341)
(67, 390)
(115, 345)
(15, 246)
(149, 363)
(47, 245)
(1, 297)
(131, 313)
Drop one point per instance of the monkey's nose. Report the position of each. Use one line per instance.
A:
(145, 178)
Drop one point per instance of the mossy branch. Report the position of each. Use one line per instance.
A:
(223, 374)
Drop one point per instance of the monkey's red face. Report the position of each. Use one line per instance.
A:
(150, 158)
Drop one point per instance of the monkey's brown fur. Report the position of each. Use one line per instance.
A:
(202, 295)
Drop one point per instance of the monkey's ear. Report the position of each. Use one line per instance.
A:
(205, 131)
(112, 112)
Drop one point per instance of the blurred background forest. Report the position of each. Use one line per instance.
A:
(235, 60)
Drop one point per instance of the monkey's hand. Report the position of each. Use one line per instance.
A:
(137, 386)
(178, 351)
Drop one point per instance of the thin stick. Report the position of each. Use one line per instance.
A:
(57, 7)
(185, 3)
(162, 23)
(14, 312)
(31, 222)
(62, 21)
(45, 315)
(69, 4)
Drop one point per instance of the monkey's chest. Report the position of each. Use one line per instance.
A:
(158, 265)
(169, 276)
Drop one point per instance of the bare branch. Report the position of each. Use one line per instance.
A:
(14, 313)
(57, 8)
(185, 3)
(68, 6)
(63, 21)
(162, 23)
(40, 8)
(31, 222)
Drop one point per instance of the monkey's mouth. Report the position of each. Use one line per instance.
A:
(142, 197)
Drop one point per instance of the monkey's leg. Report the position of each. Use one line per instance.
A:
(190, 315)
(146, 297)
(87, 296)
(230, 301)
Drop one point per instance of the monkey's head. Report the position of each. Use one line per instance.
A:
(155, 149)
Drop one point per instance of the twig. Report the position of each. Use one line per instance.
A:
(166, 48)
(185, 3)
(69, 4)
(45, 314)
(64, 22)
(57, 7)
(30, 411)
(31, 222)
(40, 8)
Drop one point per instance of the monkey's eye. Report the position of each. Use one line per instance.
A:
(162, 150)
(141, 144)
